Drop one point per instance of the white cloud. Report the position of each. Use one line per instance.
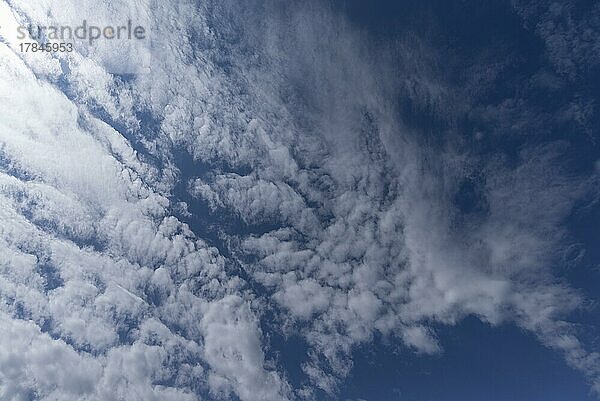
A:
(233, 350)
(367, 239)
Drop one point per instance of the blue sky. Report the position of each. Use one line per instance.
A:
(320, 200)
(480, 362)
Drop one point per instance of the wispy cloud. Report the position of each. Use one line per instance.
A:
(348, 217)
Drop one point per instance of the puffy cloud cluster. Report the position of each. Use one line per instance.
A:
(347, 220)
(102, 290)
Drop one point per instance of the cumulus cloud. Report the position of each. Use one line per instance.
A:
(233, 349)
(346, 228)
(92, 259)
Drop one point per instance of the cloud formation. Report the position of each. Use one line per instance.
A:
(348, 222)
